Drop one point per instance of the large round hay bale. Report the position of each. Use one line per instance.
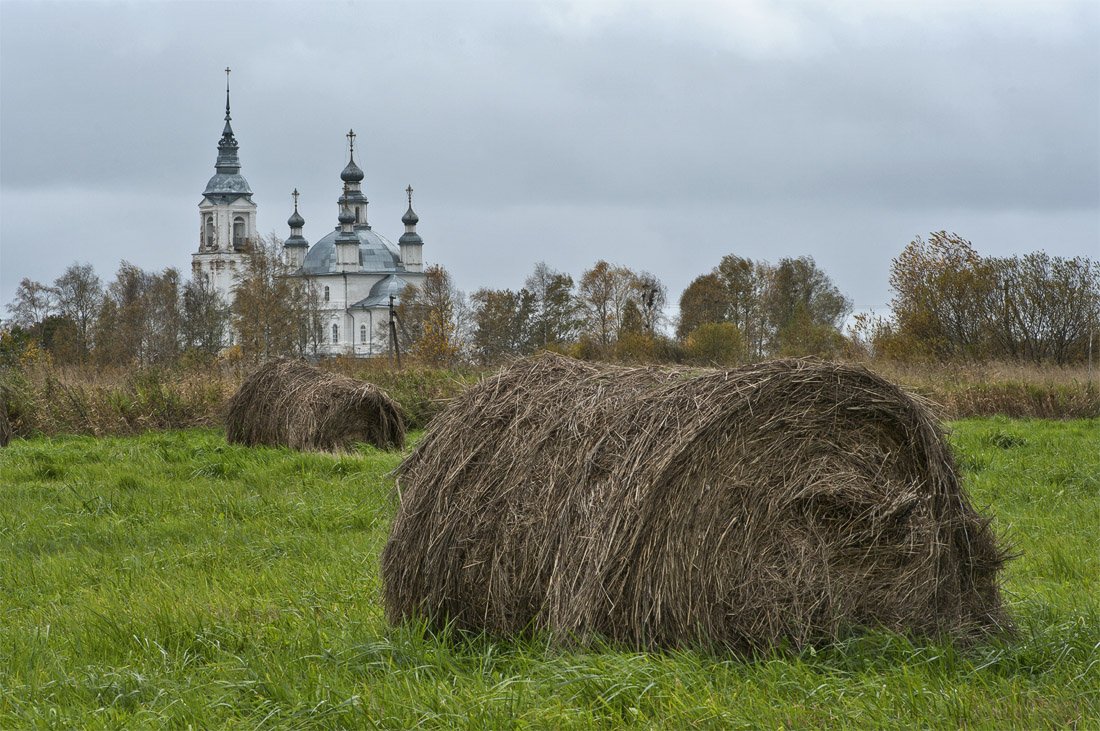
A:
(788, 502)
(290, 403)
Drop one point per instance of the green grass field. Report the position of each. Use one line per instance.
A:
(170, 580)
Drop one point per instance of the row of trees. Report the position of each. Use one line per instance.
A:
(790, 308)
(610, 305)
(157, 318)
(949, 303)
(139, 317)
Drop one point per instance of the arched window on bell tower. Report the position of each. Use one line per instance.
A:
(238, 232)
(208, 237)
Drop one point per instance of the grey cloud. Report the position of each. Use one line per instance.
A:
(635, 140)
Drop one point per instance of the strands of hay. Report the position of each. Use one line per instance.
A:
(5, 422)
(290, 403)
(788, 502)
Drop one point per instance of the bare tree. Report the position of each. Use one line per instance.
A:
(79, 298)
(605, 291)
(944, 297)
(270, 310)
(555, 316)
(502, 323)
(433, 317)
(1047, 306)
(205, 316)
(33, 303)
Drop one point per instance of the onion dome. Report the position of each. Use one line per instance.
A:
(351, 173)
(296, 220)
(345, 217)
(410, 219)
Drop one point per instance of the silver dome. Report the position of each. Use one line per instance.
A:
(376, 254)
(380, 293)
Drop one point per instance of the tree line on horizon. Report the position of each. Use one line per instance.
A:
(950, 304)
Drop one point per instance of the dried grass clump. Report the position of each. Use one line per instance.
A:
(783, 503)
(5, 423)
(290, 403)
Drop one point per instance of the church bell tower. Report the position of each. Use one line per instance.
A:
(227, 217)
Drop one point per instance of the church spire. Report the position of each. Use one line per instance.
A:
(296, 246)
(347, 240)
(227, 117)
(410, 218)
(228, 163)
(352, 173)
(353, 198)
(296, 222)
(412, 246)
(228, 184)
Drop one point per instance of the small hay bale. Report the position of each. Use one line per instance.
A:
(289, 403)
(784, 503)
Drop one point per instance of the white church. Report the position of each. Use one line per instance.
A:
(353, 270)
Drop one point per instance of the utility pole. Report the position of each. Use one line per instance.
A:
(1092, 333)
(393, 333)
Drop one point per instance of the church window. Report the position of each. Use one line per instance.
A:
(335, 334)
(357, 214)
(238, 233)
(208, 233)
(363, 334)
(326, 294)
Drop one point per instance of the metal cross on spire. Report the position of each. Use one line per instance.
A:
(409, 190)
(295, 195)
(227, 92)
(351, 143)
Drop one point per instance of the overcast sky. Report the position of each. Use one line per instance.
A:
(660, 136)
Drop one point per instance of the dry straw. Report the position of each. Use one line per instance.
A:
(783, 503)
(5, 423)
(290, 403)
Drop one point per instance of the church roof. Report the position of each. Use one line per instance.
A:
(380, 293)
(376, 254)
(227, 185)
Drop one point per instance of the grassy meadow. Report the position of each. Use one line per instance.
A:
(171, 580)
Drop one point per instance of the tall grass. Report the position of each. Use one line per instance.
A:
(1002, 389)
(172, 580)
(45, 400)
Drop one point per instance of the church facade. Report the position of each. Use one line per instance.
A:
(353, 272)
